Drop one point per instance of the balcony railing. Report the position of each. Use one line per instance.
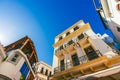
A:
(81, 60)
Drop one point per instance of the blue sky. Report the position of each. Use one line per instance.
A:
(42, 20)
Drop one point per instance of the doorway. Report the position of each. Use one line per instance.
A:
(75, 60)
(90, 52)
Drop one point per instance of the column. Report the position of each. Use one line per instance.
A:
(81, 55)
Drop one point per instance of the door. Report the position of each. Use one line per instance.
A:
(62, 65)
(90, 52)
(75, 60)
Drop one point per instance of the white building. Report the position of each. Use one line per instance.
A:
(107, 38)
(15, 67)
(43, 71)
(110, 15)
(78, 51)
(2, 53)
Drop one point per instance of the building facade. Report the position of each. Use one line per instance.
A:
(109, 12)
(42, 71)
(78, 51)
(16, 66)
(27, 47)
(2, 53)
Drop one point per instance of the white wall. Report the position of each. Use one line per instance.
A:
(55, 62)
(101, 46)
(81, 24)
(10, 70)
(110, 7)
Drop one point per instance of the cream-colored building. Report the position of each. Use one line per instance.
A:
(2, 53)
(78, 51)
(15, 66)
(42, 71)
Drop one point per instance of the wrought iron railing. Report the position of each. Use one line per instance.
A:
(70, 64)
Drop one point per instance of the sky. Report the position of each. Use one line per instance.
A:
(42, 20)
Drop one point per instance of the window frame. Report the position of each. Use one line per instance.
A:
(60, 38)
(75, 28)
(68, 33)
(14, 59)
(81, 36)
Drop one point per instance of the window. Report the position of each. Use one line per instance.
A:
(15, 58)
(91, 53)
(62, 65)
(67, 33)
(61, 47)
(75, 60)
(50, 73)
(24, 70)
(70, 42)
(80, 36)
(118, 29)
(42, 69)
(16, 55)
(60, 38)
(46, 72)
(76, 28)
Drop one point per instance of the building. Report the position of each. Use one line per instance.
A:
(27, 47)
(109, 12)
(16, 66)
(107, 39)
(110, 42)
(43, 71)
(2, 53)
(79, 52)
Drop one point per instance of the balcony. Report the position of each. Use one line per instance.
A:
(82, 59)
(59, 53)
(71, 48)
(83, 42)
(80, 67)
